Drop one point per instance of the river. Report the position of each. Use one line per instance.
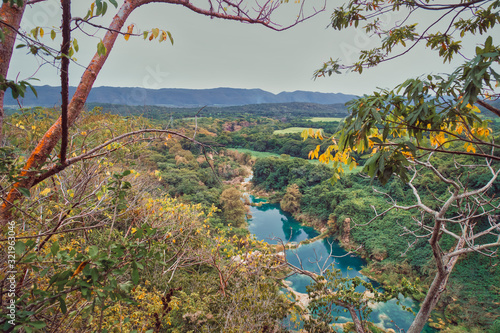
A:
(268, 222)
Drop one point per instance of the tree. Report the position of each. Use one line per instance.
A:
(407, 130)
(11, 14)
(11, 17)
(232, 206)
(291, 200)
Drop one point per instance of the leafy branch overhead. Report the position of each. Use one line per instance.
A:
(459, 19)
(432, 113)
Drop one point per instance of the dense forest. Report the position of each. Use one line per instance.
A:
(353, 197)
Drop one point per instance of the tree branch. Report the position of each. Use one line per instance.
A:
(66, 32)
(489, 107)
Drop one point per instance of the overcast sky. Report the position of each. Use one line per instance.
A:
(210, 53)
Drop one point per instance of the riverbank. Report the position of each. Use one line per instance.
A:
(317, 244)
(312, 249)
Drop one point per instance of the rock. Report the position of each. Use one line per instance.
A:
(346, 231)
(281, 256)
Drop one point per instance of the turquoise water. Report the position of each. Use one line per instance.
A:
(268, 222)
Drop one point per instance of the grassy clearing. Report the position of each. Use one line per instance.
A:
(325, 119)
(292, 130)
(255, 153)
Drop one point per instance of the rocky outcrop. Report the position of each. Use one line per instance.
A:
(346, 231)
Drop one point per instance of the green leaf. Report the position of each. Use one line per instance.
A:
(54, 248)
(62, 305)
(38, 324)
(135, 274)
(104, 8)
(93, 251)
(170, 37)
(487, 44)
(101, 49)
(33, 90)
(75, 45)
(114, 3)
(20, 247)
(98, 7)
(24, 191)
(53, 34)
(95, 275)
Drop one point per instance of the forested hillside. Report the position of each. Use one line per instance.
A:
(170, 201)
(48, 96)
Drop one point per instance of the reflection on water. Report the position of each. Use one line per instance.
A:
(270, 223)
(264, 226)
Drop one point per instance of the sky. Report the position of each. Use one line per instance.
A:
(211, 53)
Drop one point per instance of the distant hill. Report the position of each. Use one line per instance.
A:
(50, 96)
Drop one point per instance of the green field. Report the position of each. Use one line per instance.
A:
(259, 154)
(255, 153)
(291, 130)
(325, 119)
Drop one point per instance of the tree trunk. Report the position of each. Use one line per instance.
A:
(437, 287)
(52, 136)
(355, 319)
(429, 303)
(11, 19)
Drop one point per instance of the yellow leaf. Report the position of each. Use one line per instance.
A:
(304, 134)
(470, 148)
(155, 32)
(134, 230)
(163, 36)
(41, 32)
(45, 192)
(79, 268)
(130, 28)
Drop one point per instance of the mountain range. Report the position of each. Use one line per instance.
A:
(50, 96)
